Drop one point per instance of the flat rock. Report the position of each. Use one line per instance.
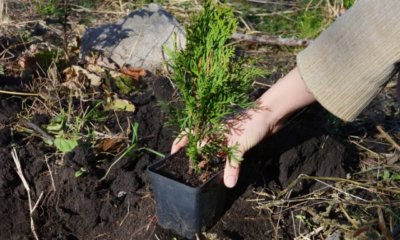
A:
(137, 40)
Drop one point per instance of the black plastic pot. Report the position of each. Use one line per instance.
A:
(187, 210)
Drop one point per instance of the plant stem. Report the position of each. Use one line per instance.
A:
(20, 93)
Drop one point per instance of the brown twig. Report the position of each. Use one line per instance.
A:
(272, 40)
(346, 214)
(37, 129)
(51, 174)
(388, 138)
(126, 216)
(382, 225)
(28, 191)
(20, 93)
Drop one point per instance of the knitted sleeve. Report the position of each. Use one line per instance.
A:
(351, 61)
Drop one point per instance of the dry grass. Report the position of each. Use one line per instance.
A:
(364, 205)
(1, 10)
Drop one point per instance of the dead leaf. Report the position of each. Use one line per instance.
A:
(76, 73)
(202, 164)
(27, 58)
(203, 177)
(26, 61)
(135, 73)
(117, 104)
(111, 144)
(95, 69)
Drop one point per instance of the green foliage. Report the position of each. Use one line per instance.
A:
(131, 148)
(141, 3)
(45, 58)
(306, 221)
(348, 3)
(298, 18)
(81, 172)
(310, 24)
(67, 130)
(390, 175)
(211, 83)
(65, 145)
(86, 3)
(48, 8)
(125, 84)
(134, 141)
(63, 141)
(300, 24)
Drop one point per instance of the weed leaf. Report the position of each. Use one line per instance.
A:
(65, 145)
(120, 105)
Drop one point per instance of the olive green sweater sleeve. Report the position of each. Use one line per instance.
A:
(351, 61)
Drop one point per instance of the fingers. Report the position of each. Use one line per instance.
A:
(179, 143)
(231, 173)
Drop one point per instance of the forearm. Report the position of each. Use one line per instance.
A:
(273, 107)
(285, 97)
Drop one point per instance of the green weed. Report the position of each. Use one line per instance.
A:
(68, 130)
(299, 18)
(124, 83)
(347, 3)
(49, 8)
(132, 147)
(390, 175)
(81, 172)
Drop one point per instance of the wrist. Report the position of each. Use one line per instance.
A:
(286, 96)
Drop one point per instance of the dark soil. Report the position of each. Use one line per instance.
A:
(122, 206)
(177, 167)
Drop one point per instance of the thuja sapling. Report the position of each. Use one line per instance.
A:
(212, 83)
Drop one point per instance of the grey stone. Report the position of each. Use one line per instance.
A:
(335, 236)
(138, 39)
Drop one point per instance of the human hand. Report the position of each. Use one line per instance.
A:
(244, 131)
(247, 129)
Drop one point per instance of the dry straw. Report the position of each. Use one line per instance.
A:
(1, 10)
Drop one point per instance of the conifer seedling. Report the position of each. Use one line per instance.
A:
(212, 83)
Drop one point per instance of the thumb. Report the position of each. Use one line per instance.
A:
(179, 142)
(231, 173)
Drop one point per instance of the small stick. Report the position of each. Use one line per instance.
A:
(51, 174)
(346, 214)
(126, 216)
(269, 2)
(262, 84)
(37, 129)
(294, 224)
(83, 9)
(382, 225)
(377, 155)
(341, 191)
(127, 150)
(273, 40)
(27, 188)
(388, 137)
(20, 93)
(310, 234)
(273, 13)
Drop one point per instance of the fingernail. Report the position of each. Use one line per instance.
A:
(230, 181)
